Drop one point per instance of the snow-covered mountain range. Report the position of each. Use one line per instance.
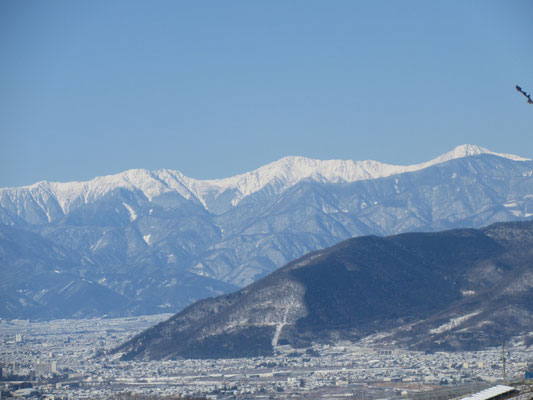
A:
(55, 199)
(159, 239)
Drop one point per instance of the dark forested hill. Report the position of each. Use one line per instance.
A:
(457, 289)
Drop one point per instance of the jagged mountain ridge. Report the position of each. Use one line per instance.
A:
(462, 289)
(53, 199)
(154, 242)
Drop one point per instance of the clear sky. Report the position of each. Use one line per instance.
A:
(216, 88)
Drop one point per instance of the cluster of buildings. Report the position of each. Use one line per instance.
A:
(69, 359)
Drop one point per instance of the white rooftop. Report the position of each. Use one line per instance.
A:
(490, 393)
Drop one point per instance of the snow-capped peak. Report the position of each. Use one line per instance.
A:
(468, 150)
(280, 175)
(150, 183)
(290, 170)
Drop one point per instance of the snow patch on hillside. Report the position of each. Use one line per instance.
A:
(147, 239)
(133, 214)
(453, 323)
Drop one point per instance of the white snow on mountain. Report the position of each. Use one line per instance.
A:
(290, 170)
(71, 195)
(281, 174)
(133, 214)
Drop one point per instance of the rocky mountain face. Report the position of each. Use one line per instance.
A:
(158, 240)
(462, 289)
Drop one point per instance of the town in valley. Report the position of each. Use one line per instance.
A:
(68, 359)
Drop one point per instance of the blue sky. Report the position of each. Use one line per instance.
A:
(216, 88)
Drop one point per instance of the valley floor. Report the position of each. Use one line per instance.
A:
(67, 359)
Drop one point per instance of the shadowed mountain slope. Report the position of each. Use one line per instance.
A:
(414, 287)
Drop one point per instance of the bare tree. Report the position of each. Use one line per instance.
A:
(525, 94)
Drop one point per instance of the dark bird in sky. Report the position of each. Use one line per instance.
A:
(525, 94)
